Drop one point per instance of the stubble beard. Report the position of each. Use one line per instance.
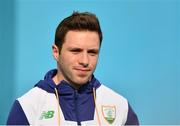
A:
(73, 79)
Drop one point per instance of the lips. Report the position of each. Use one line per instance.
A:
(82, 71)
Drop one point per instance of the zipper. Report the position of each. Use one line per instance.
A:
(58, 104)
(76, 107)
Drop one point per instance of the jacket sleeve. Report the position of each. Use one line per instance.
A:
(17, 115)
(132, 118)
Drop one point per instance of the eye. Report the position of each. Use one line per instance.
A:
(75, 50)
(93, 52)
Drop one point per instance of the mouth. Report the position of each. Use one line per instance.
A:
(82, 71)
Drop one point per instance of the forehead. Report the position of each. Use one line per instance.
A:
(82, 38)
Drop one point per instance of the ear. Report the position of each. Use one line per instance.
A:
(55, 52)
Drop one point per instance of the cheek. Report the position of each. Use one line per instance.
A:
(68, 59)
(94, 61)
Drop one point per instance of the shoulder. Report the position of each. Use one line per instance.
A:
(111, 94)
(32, 99)
(109, 99)
(32, 95)
(31, 102)
(25, 107)
(107, 96)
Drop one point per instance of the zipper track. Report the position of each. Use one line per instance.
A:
(76, 108)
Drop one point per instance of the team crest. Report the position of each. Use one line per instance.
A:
(109, 113)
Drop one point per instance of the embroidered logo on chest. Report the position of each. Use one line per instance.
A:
(109, 113)
(47, 114)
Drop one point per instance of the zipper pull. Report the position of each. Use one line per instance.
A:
(76, 94)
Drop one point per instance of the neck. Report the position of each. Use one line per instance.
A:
(57, 78)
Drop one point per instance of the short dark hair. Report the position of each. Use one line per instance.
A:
(77, 22)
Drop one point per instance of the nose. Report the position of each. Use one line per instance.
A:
(84, 59)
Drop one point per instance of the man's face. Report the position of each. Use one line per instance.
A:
(78, 56)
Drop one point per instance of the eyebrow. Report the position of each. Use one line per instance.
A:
(80, 49)
(94, 50)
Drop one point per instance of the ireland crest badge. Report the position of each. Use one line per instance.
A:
(109, 113)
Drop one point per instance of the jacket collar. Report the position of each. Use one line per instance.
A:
(64, 87)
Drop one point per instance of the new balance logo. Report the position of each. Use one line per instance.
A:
(47, 115)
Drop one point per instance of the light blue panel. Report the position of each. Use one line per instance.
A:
(179, 57)
(144, 52)
(139, 56)
(7, 39)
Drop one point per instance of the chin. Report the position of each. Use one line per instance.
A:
(81, 82)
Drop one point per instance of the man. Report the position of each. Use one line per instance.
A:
(70, 94)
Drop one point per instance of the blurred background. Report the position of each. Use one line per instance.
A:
(139, 58)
